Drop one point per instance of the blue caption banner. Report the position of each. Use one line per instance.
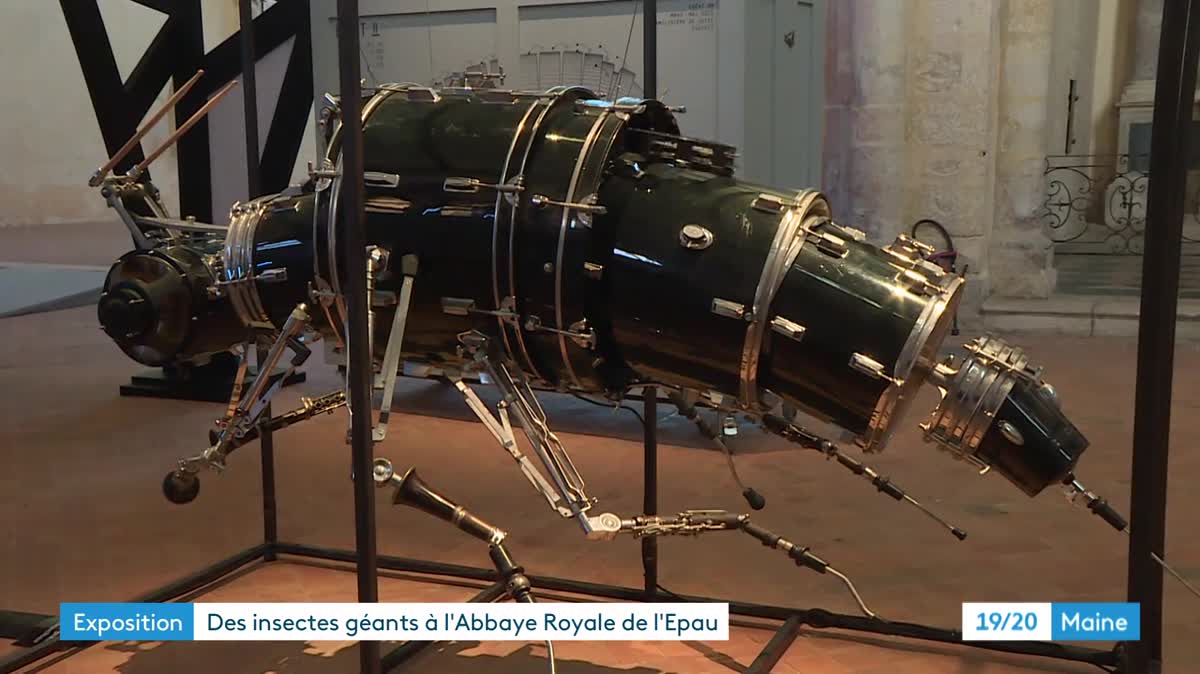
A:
(1096, 622)
(126, 622)
(394, 622)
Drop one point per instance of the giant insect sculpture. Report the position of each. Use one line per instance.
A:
(556, 241)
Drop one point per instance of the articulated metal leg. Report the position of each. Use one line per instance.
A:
(182, 485)
(391, 356)
(568, 495)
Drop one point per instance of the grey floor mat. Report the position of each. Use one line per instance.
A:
(34, 288)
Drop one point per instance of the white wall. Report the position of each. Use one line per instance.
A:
(702, 53)
(52, 140)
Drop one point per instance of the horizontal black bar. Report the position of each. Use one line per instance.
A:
(815, 618)
(21, 626)
(204, 576)
(776, 647)
(406, 650)
(168, 592)
(21, 658)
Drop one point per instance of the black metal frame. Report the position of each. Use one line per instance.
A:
(1177, 75)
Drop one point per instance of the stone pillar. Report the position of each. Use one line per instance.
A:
(1145, 40)
(1020, 256)
(951, 98)
(866, 150)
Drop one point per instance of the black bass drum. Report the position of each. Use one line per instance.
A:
(494, 193)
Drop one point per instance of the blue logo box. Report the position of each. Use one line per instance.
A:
(125, 622)
(1096, 622)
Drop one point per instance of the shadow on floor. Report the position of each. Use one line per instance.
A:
(301, 658)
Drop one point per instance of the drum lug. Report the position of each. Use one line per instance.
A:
(593, 271)
(586, 207)
(768, 203)
(789, 329)
(321, 293)
(868, 366)
(829, 243)
(578, 331)
(464, 306)
(322, 177)
(272, 276)
(730, 309)
(381, 179)
(473, 185)
(916, 283)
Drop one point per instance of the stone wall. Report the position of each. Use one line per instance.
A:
(938, 109)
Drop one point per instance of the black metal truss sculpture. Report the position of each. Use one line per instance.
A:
(174, 55)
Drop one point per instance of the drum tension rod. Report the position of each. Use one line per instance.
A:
(789, 431)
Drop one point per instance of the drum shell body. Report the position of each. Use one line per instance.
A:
(489, 259)
(1039, 447)
(661, 294)
(847, 305)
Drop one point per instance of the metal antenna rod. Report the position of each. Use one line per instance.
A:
(138, 170)
(99, 175)
(1106, 512)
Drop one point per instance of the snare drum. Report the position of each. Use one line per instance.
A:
(267, 259)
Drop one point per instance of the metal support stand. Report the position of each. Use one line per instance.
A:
(650, 488)
(266, 439)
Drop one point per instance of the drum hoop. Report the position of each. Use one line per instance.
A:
(584, 153)
(898, 396)
(556, 96)
(237, 261)
(334, 281)
(991, 398)
(788, 241)
(511, 224)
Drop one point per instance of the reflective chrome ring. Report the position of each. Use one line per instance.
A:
(789, 239)
(557, 95)
(334, 279)
(504, 178)
(237, 261)
(915, 360)
(584, 152)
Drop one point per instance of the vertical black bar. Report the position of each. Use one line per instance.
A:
(192, 150)
(649, 48)
(1179, 47)
(354, 266)
(650, 393)
(266, 443)
(250, 99)
(650, 487)
(266, 438)
(779, 644)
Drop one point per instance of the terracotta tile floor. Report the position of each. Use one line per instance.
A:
(82, 518)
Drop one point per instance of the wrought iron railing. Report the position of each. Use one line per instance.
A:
(1097, 204)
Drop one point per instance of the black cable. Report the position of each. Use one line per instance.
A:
(671, 594)
(610, 406)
